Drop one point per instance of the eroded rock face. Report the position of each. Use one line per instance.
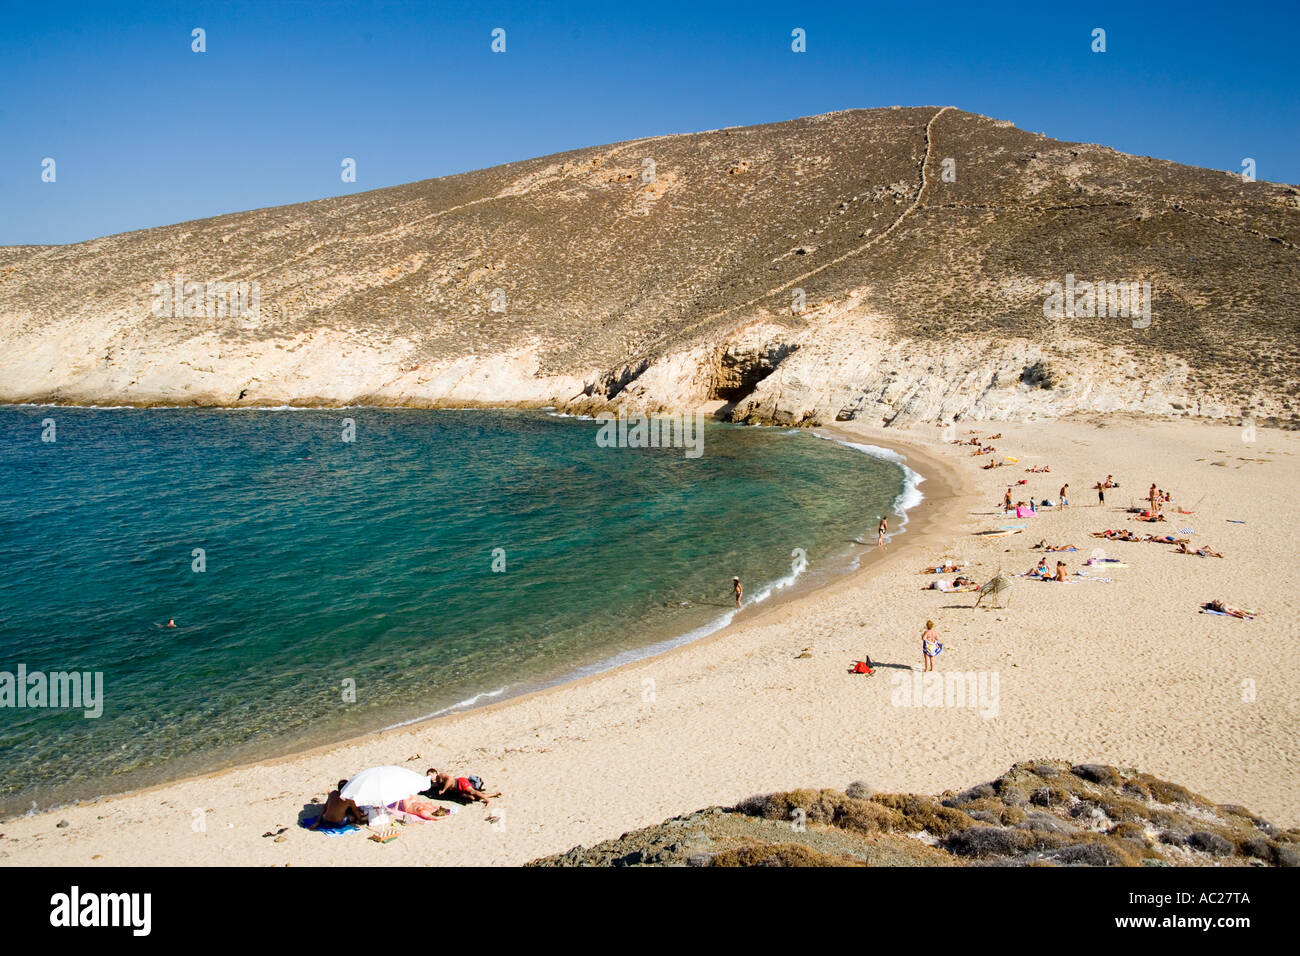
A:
(807, 271)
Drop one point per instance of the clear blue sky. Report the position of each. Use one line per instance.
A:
(145, 132)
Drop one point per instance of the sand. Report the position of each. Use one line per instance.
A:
(1126, 673)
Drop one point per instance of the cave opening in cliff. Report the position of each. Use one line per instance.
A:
(738, 371)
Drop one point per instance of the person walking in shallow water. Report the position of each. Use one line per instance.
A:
(881, 531)
(737, 589)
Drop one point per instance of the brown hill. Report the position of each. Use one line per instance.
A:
(666, 271)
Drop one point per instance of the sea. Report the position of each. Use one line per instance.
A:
(241, 584)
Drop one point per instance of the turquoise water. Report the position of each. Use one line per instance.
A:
(332, 564)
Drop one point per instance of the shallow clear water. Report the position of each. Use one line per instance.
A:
(371, 562)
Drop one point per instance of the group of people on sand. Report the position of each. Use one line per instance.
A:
(1042, 572)
(341, 812)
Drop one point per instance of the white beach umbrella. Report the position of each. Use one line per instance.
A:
(380, 786)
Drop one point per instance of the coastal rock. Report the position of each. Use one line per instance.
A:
(859, 828)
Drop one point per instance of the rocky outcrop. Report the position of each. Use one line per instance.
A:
(892, 265)
(1039, 813)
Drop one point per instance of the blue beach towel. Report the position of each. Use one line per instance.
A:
(328, 831)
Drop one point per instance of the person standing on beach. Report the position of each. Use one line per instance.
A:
(1006, 500)
(1065, 503)
(737, 589)
(1101, 493)
(881, 531)
(930, 646)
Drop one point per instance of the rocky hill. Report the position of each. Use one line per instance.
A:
(888, 264)
(1040, 813)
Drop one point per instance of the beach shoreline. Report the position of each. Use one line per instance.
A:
(938, 477)
(764, 704)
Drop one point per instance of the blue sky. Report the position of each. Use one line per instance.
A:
(145, 132)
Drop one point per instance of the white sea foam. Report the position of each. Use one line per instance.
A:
(911, 495)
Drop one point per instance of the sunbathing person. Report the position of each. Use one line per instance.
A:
(462, 788)
(338, 811)
(941, 569)
(422, 807)
(1202, 552)
(1040, 570)
(1228, 609)
(1061, 547)
(1060, 572)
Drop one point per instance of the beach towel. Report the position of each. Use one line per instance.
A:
(1235, 521)
(1187, 531)
(328, 831)
(948, 587)
(1250, 615)
(407, 816)
(1024, 512)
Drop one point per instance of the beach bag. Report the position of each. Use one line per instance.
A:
(860, 667)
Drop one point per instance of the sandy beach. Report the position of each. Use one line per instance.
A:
(1123, 671)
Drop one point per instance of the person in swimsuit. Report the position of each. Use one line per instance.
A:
(464, 789)
(737, 589)
(1101, 493)
(881, 531)
(930, 646)
(1065, 502)
(1060, 572)
(1006, 501)
(339, 812)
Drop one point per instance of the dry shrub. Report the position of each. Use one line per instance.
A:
(925, 813)
(1103, 774)
(780, 854)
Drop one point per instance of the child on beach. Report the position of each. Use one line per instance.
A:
(930, 646)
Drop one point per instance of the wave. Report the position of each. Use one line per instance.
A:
(911, 495)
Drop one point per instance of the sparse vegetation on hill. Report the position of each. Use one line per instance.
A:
(671, 269)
